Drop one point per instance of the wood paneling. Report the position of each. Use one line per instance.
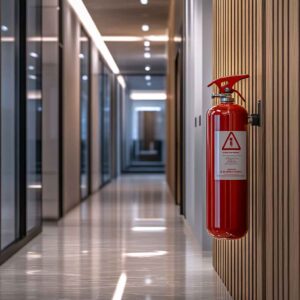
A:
(262, 38)
(175, 23)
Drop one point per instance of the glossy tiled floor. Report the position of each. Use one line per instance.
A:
(126, 242)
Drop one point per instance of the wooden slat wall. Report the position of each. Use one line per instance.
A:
(262, 38)
(282, 149)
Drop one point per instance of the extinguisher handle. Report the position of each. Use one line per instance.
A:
(242, 97)
(225, 84)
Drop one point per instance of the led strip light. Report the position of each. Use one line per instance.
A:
(90, 26)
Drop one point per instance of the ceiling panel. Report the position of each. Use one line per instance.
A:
(125, 18)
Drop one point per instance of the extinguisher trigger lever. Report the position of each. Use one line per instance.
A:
(225, 85)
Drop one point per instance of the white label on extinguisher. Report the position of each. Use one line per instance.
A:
(230, 155)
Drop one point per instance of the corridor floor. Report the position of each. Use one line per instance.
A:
(125, 242)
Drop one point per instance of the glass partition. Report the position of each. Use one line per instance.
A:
(51, 109)
(105, 125)
(34, 113)
(84, 114)
(21, 123)
(9, 80)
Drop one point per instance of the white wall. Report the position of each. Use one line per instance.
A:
(198, 73)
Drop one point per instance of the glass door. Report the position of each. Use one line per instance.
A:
(34, 114)
(20, 123)
(144, 122)
(9, 79)
(84, 114)
(106, 126)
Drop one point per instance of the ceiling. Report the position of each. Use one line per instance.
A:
(124, 18)
(138, 82)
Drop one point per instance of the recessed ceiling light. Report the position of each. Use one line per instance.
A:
(149, 83)
(150, 228)
(147, 68)
(145, 27)
(147, 55)
(148, 95)
(31, 68)
(85, 77)
(34, 186)
(150, 38)
(147, 77)
(81, 56)
(147, 108)
(147, 44)
(144, 2)
(145, 254)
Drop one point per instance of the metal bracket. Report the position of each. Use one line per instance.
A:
(255, 119)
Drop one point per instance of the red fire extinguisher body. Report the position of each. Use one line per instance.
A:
(226, 182)
(227, 201)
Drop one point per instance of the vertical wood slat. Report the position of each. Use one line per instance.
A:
(246, 291)
(241, 71)
(266, 264)
(280, 152)
(260, 196)
(269, 150)
(275, 157)
(231, 59)
(285, 154)
(294, 148)
(254, 151)
(251, 162)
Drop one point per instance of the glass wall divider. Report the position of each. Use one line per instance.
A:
(22, 117)
(85, 104)
(90, 120)
(34, 114)
(106, 139)
(9, 225)
(51, 110)
(20, 112)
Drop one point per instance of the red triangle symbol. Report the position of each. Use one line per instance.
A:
(231, 143)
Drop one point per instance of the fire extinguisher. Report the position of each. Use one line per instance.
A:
(227, 195)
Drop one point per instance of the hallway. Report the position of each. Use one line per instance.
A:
(128, 240)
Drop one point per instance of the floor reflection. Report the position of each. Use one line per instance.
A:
(126, 242)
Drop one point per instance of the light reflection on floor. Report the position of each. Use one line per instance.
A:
(126, 242)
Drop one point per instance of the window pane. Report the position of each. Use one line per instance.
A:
(8, 118)
(34, 113)
(84, 102)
